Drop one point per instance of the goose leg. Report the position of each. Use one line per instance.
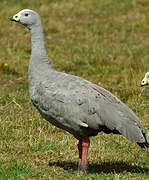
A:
(83, 147)
(80, 154)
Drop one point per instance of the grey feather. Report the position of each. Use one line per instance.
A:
(72, 103)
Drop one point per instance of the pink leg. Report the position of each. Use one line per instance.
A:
(83, 147)
(80, 154)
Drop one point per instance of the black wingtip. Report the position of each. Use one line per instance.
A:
(145, 144)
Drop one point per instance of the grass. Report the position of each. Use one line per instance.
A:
(106, 42)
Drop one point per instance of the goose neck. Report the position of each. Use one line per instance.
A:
(37, 41)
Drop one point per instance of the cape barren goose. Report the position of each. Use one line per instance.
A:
(145, 80)
(72, 103)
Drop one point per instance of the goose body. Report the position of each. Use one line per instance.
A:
(72, 103)
(83, 108)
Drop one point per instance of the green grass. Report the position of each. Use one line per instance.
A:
(106, 42)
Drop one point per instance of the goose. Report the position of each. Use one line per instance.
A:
(74, 104)
(145, 80)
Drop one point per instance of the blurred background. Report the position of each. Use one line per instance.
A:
(106, 42)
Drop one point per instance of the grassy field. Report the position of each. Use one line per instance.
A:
(104, 41)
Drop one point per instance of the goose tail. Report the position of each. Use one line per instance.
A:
(144, 144)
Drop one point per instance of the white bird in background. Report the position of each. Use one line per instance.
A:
(145, 80)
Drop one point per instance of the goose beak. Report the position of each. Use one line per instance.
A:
(144, 82)
(12, 19)
(16, 17)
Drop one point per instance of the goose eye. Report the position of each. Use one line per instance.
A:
(26, 14)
